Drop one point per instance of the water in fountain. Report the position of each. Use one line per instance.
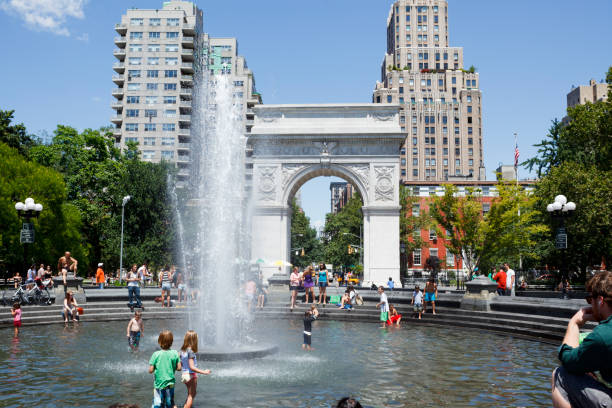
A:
(221, 212)
(182, 254)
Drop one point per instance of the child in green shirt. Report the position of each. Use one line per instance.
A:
(163, 364)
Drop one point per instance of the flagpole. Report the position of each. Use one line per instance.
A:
(517, 190)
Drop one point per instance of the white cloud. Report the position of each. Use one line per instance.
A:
(45, 15)
(83, 37)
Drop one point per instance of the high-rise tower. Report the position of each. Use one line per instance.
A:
(440, 99)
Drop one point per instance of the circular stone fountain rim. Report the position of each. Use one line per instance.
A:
(250, 353)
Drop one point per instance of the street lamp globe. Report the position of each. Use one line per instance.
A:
(561, 199)
(38, 207)
(550, 208)
(557, 205)
(20, 206)
(571, 206)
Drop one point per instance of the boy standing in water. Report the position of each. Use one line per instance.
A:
(384, 307)
(163, 364)
(16, 313)
(417, 301)
(135, 329)
(309, 316)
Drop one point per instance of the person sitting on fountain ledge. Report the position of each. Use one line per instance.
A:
(585, 376)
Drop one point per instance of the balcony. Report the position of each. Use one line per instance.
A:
(189, 29)
(184, 172)
(119, 67)
(117, 133)
(188, 79)
(185, 105)
(119, 54)
(187, 67)
(119, 79)
(187, 42)
(121, 41)
(117, 105)
(184, 133)
(187, 55)
(118, 93)
(184, 146)
(186, 92)
(183, 158)
(121, 28)
(117, 120)
(185, 118)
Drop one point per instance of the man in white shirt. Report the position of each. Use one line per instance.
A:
(510, 277)
(143, 273)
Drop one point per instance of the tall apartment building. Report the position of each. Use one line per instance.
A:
(593, 92)
(440, 100)
(340, 193)
(162, 53)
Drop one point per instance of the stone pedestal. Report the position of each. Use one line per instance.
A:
(479, 292)
(73, 284)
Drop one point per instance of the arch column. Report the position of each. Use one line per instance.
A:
(381, 244)
(271, 236)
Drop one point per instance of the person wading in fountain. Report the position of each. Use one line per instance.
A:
(585, 376)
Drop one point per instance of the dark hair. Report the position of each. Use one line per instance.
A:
(348, 402)
(307, 313)
(601, 285)
(16, 305)
(390, 278)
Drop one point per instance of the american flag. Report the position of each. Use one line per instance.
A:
(516, 155)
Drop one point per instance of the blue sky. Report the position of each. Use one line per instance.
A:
(57, 59)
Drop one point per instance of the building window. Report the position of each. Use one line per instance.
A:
(149, 141)
(133, 73)
(416, 209)
(153, 60)
(134, 61)
(167, 141)
(469, 98)
(150, 113)
(450, 258)
(134, 86)
(389, 99)
(170, 113)
(150, 127)
(170, 73)
(131, 113)
(469, 109)
(169, 87)
(415, 173)
(169, 99)
(150, 100)
(135, 47)
(172, 47)
(154, 35)
(155, 22)
(457, 162)
(445, 152)
(173, 22)
(486, 207)
(416, 257)
(172, 61)
(445, 162)
(415, 150)
(131, 140)
(151, 87)
(133, 99)
(433, 252)
(168, 127)
(136, 21)
(167, 155)
(148, 154)
(172, 34)
(152, 73)
(136, 35)
(131, 127)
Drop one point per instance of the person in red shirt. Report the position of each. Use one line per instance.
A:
(500, 277)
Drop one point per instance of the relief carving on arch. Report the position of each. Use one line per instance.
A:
(289, 170)
(362, 171)
(384, 183)
(267, 183)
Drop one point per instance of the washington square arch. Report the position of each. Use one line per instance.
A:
(359, 143)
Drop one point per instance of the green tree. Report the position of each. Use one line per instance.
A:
(15, 136)
(462, 217)
(303, 239)
(57, 228)
(589, 228)
(342, 230)
(513, 229)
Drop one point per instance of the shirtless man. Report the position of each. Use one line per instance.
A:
(67, 263)
(431, 293)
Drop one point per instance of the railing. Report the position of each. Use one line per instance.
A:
(187, 39)
(186, 77)
(186, 118)
(122, 38)
(187, 91)
(187, 65)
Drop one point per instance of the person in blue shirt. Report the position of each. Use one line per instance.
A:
(390, 283)
(584, 378)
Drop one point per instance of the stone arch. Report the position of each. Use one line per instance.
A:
(301, 177)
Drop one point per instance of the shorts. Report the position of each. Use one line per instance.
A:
(163, 398)
(582, 390)
(323, 284)
(134, 340)
(394, 319)
(417, 307)
(294, 288)
(17, 323)
(166, 287)
(384, 316)
(430, 297)
(182, 286)
(307, 338)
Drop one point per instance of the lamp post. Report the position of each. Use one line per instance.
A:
(27, 211)
(559, 210)
(123, 203)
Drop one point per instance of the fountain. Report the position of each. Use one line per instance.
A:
(219, 252)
